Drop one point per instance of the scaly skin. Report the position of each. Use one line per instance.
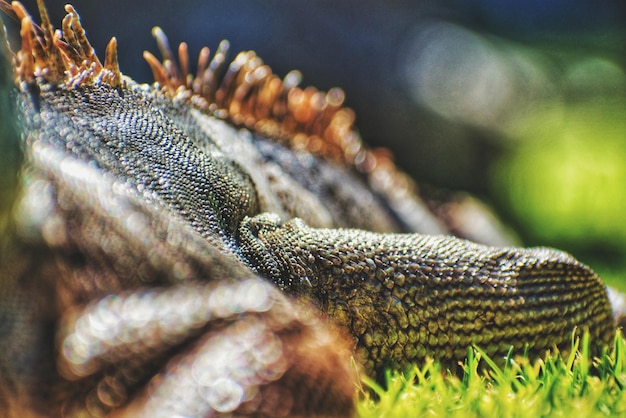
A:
(405, 297)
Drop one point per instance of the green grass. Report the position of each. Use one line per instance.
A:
(573, 385)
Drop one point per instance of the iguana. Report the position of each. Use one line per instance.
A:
(201, 246)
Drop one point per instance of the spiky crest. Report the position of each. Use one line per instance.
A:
(59, 57)
(249, 94)
(246, 92)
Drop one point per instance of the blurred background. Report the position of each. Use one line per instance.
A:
(521, 103)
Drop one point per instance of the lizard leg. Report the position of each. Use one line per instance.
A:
(408, 296)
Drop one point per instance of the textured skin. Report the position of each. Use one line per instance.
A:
(132, 255)
(409, 296)
(84, 232)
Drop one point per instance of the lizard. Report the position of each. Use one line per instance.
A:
(204, 245)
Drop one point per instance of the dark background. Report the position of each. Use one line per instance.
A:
(520, 103)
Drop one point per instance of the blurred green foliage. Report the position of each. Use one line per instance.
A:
(564, 184)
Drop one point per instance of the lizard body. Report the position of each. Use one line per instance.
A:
(146, 214)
